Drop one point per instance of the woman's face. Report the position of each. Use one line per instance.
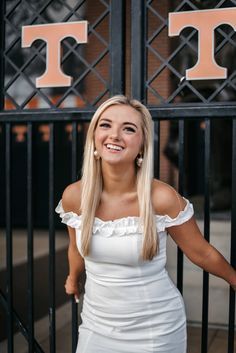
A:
(118, 136)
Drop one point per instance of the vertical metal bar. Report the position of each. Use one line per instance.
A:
(30, 244)
(52, 316)
(9, 287)
(74, 171)
(180, 257)
(205, 293)
(233, 242)
(74, 150)
(157, 149)
(117, 47)
(9, 261)
(2, 48)
(138, 64)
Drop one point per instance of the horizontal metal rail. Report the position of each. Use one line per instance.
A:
(188, 112)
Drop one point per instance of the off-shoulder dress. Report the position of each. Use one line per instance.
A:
(130, 305)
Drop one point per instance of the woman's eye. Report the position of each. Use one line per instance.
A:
(105, 125)
(129, 129)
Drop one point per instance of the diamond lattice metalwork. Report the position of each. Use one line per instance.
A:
(86, 64)
(168, 58)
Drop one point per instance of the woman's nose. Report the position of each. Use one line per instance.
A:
(115, 134)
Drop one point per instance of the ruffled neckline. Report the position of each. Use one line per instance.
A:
(124, 225)
(119, 226)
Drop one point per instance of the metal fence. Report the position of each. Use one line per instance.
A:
(60, 114)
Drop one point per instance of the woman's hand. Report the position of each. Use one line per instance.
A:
(234, 287)
(71, 287)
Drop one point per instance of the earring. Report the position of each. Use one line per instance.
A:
(96, 155)
(139, 161)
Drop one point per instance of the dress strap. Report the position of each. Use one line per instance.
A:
(71, 219)
(184, 215)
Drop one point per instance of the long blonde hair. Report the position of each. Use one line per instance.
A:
(92, 180)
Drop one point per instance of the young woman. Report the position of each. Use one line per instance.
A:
(118, 218)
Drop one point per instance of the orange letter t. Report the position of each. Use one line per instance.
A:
(53, 34)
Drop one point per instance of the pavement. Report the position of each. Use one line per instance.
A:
(218, 335)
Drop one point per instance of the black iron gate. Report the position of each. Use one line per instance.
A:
(42, 132)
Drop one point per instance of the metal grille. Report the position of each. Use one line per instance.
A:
(86, 66)
(28, 127)
(167, 59)
(162, 62)
(57, 117)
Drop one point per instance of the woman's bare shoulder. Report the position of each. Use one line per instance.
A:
(71, 197)
(166, 200)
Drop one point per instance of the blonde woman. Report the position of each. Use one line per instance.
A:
(118, 217)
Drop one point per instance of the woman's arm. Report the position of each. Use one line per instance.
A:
(76, 266)
(190, 240)
(188, 237)
(71, 202)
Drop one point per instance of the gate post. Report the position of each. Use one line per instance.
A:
(117, 34)
(138, 60)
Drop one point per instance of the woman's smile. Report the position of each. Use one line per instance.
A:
(114, 148)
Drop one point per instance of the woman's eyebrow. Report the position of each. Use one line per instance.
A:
(129, 123)
(125, 123)
(105, 119)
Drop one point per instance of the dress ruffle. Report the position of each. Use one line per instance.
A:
(119, 227)
(126, 225)
(183, 216)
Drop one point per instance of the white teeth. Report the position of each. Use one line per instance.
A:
(114, 147)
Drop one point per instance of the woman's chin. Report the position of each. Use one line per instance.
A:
(116, 162)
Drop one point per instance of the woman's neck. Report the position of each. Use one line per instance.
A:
(118, 180)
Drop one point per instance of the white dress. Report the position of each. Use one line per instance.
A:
(130, 305)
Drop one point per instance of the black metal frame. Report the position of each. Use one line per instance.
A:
(183, 112)
(116, 10)
(140, 83)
